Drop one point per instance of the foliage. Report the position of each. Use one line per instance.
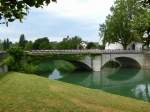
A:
(22, 41)
(14, 58)
(9, 61)
(102, 47)
(92, 45)
(6, 44)
(46, 64)
(70, 43)
(42, 43)
(29, 45)
(1, 45)
(145, 3)
(141, 24)
(16, 52)
(118, 26)
(29, 68)
(49, 66)
(11, 10)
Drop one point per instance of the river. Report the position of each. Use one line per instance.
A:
(133, 83)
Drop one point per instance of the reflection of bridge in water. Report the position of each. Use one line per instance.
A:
(102, 80)
(96, 59)
(137, 86)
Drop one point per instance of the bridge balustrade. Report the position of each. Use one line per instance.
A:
(91, 51)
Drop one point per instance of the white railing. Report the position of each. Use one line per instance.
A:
(93, 51)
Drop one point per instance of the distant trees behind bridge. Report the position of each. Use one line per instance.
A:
(44, 43)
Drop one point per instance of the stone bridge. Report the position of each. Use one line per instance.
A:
(96, 59)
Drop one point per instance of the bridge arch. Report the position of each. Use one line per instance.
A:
(125, 61)
(111, 64)
(80, 65)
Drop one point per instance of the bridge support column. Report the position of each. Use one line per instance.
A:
(96, 63)
(146, 61)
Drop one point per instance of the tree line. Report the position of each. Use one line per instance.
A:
(44, 43)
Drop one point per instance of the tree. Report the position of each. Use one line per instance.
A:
(118, 25)
(92, 45)
(145, 3)
(141, 24)
(6, 44)
(29, 45)
(1, 45)
(42, 43)
(70, 43)
(22, 41)
(11, 10)
(14, 59)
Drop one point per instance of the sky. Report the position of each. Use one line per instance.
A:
(58, 20)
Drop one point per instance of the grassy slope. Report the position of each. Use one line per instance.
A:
(30, 93)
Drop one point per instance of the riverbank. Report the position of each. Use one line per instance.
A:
(30, 93)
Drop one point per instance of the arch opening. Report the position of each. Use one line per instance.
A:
(80, 66)
(111, 64)
(126, 62)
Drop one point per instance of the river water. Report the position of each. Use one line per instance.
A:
(133, 83)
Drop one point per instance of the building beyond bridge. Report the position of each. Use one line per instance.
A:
(96, 59)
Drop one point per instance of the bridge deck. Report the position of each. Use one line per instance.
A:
(46, 52)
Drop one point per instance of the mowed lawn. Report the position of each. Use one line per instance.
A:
(30, 93)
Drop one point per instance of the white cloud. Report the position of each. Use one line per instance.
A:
(93, 10)
(66, 17)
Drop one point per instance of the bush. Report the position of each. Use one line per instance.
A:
(29, 68)
(14, 59)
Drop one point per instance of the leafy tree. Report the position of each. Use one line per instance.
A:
(14, 59)
(141, 24)
(11, 10)
(22, 41)
(145, 3)
(42, 43)
(29, 45)
(92, 45)
(54, 44)
(70, 43)
(1, 45)
(6, 44)
(118, 26)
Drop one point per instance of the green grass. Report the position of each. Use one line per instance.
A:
(30, 93)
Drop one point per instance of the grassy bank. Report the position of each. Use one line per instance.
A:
(30, 93)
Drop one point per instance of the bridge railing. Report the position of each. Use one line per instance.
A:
(91, 51)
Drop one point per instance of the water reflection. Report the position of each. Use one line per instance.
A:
(127, 82)
(142, 91)
(55, 75)
(123, 74)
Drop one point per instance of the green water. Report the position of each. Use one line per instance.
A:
(133, 83)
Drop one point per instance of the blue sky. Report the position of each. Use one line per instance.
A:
(56, 21)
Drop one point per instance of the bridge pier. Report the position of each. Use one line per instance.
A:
(97, 63)
(146, 61)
